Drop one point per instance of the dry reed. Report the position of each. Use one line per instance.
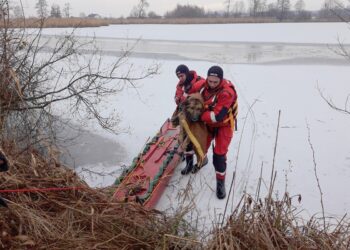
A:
(57, 23)
(98, 22)
(89, 218)
(258, 224)
(75, 219)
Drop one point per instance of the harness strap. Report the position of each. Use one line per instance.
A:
(232, 116)
(193, 140)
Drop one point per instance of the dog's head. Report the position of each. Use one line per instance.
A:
(193, 107)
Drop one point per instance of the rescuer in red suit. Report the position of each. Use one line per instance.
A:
(220, 112)
(189, 83)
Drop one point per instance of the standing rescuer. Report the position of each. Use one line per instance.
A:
(189, 83)
(220, 112)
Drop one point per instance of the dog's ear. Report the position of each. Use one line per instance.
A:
(186, 102)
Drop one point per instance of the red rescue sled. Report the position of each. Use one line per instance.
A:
(145, 180)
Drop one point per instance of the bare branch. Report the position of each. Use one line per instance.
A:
(38, 71)
(333, 106)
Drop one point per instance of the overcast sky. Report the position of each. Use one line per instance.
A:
(117, 8)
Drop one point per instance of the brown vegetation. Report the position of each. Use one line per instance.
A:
(86, 218)
(91, 22)
(215, 20)
(94, 22)
(56, 22)
(274, 224)
(74, 219)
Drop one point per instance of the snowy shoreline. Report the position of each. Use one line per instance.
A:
(283, 80)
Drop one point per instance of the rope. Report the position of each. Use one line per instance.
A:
(193, 139)
(152, 184)
(136, 160)
(143, 198)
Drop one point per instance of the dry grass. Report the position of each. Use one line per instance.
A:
(274, 225)
(57, 23)
(90, 219)
(216, 20)
(75, 219)
(94, 22)
(277, 224)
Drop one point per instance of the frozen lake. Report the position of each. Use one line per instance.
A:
(320, 33)
(291, 43)
(274, 67)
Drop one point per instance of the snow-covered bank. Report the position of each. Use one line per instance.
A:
(263, 90)
(266, 90)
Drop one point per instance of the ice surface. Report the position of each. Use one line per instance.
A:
(263, 90)
(326, 33)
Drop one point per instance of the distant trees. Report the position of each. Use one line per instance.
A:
(66, 10)
(18, 12)
(300, 13)
(332, 9)
(42, 8)
(186, 11)
(283, 7)
(228, 7)
(238, 8)
(257, 8)
(299, 6)
(276, 9)
(254, 7)
(55, 11)
(272, 10)
(152, 14)
(139, 11)
(233, 8)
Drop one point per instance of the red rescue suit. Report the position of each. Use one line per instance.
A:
(192, 84)
(219, 104)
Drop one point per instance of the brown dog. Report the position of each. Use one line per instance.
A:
(192, 128)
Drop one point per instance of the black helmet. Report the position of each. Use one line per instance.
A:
(216, 71)
(182, 69)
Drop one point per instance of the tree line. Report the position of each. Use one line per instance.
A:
(278, 9)
(42, 9)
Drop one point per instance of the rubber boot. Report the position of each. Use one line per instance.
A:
(220, 189)
(196, 168)
(189, 165)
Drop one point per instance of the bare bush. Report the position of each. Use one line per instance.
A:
(186, 11)
(37, 73)
(343, 13)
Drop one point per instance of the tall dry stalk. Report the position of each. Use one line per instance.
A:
(316, 175)
(273, 173)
